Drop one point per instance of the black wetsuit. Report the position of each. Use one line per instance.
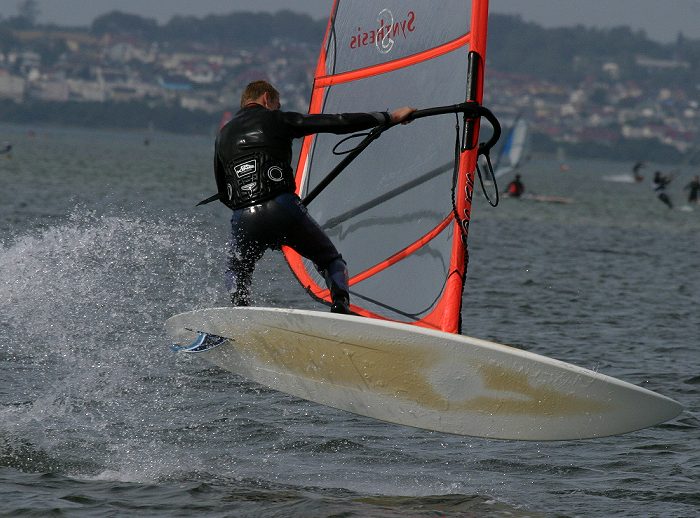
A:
(515, 188)
(254, 178)
(694, 188)
(660, 182)
(636, 171)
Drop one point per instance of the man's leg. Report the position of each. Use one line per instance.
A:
(305, 236)
(336, 275)
(243, 254)
(664, 198)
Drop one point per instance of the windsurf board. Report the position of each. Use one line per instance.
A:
(416, 376)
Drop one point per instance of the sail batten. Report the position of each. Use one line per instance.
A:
(381, 68)
(405, 252)
(399, 212)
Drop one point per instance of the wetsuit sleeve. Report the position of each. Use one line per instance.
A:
(219, 171)
(299, 125)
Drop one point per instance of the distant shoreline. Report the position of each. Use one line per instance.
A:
(131, 116)
(140, 118)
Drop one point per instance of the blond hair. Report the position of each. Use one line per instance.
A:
(257, 88)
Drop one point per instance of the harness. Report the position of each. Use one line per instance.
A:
(255, 177)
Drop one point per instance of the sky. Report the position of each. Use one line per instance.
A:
(662, 20)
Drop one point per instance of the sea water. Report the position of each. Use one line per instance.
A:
(100, 242)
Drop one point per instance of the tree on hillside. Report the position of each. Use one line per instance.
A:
(244, 28)
(7, 39)
(28, 10)
(117, 22)
(27, 14)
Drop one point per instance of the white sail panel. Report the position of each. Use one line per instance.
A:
(396, 211)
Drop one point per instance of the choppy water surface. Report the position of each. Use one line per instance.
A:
(100, 243)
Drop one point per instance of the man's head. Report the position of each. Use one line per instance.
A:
(263, 93)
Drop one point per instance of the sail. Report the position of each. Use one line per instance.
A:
(399, 213)
(512, 153)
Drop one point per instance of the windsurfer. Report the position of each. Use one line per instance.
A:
(659, 184)
(254, 178)
(636, 171)
(693, 189)
(515, 188)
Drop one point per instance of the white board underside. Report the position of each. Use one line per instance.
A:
(419, 377)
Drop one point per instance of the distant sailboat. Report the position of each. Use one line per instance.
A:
(513, 151)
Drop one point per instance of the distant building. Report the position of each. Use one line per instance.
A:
(175, 84)
(50, 89)
(660, 64)
(11, 87)
(82, 90)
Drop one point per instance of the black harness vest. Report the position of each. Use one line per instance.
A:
(254, 150)
(256, 177)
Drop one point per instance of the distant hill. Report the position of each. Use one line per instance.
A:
(570, 57)
(560, 54)
(236, 29)
(570, 54)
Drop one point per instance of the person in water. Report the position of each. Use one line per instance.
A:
(638, 177)
(693, 189)
(515, 188)
(254, 178)
(659, 184)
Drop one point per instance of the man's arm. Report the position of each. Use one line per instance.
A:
(301, 125)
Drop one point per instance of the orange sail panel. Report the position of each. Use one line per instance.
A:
(398, 214)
